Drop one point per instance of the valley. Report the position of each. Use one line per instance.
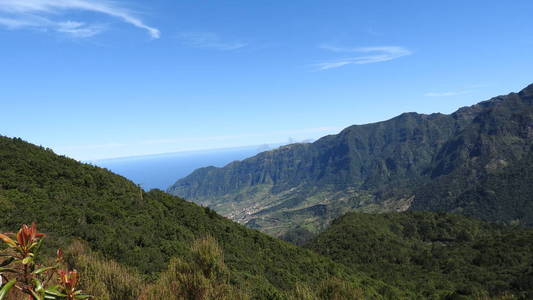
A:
(411, 162)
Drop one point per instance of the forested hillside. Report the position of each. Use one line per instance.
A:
(437, 255)
(422, 162)
(144, 230)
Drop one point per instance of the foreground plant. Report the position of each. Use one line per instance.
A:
(19, 269)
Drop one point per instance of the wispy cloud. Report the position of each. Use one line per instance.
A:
(209, 40)
(367, 55)
(50, 15)
(79, 29)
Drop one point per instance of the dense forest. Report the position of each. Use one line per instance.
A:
(435, 254)
(146, 231)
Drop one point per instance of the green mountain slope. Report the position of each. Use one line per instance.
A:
(145, 229)
(437, 255)
(393, 165)
(486, 170)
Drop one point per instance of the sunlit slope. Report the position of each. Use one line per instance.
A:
(145, 229)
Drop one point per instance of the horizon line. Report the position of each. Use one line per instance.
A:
(274, 145)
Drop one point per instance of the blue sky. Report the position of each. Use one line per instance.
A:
(101, 79)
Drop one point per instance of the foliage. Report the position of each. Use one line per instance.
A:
(103, 278)
(204, 277)
(435, 255)
(144, 230)
(20, 269)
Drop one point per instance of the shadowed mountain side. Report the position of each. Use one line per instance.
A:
(377, 167)
(442, 256)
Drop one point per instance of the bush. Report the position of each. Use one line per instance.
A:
(204, 277)
(20, 270)
(105, 279)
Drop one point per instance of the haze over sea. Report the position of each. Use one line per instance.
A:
(162, 170)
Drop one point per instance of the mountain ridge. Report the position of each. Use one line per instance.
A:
(370, 167)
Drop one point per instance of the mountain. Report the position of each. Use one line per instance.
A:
(413, 255)
(486, 170)
(414, 161)
(144, 230)
(441, 256)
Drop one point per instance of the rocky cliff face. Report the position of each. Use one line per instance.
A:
(390, 165)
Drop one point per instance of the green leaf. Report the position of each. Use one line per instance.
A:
(41, 270)
(53, 292)
(5, 289)
(83, 296)
(38, 285)
(7, 270)
(36, 296)
(27, 260)
(37, 246)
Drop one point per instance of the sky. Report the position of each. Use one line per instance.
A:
(96, 79)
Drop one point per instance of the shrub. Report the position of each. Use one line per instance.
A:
(21, 272)
(105, 279)
(204, 277)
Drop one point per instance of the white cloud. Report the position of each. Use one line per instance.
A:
(15, 23)
(43, 14)
(374, 55)
(208, 40)
(78, 29)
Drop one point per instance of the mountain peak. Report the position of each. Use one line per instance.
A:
(527, 91)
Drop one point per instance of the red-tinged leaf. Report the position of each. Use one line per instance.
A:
(7, 240)
(73, 278)
(33, 230)
(59, 254)
(20, 236)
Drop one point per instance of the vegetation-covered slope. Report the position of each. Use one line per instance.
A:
(387, 166)
(486, 170)
(144, 230)
(437, 255)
